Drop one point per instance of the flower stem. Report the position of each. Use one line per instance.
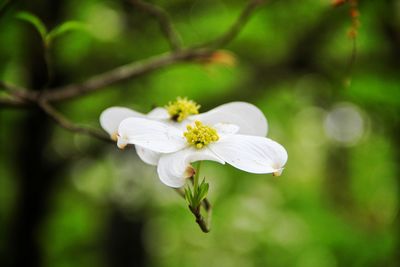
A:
(196, 177)
(197, 199)
(204, 223)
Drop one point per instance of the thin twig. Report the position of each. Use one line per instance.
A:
(166, 25)
(15, 97)
(68, 125)
(204, 224)
(103, 80)
(10, 87)
(11, 102)
(111, 77)
(236, 27)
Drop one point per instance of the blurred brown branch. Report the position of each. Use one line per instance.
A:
(68, 125)
(22, 97)
(166, 25)
(11, 102)
(237, 26)
(121, 73)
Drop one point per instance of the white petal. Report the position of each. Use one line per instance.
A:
(226, 128)
(180, 125)
(248, 117)
(112, 117)
(172, 167)
(148, 156)
(158, 113)
(253, 154)
(153, 135)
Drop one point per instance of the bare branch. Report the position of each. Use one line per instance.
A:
(10, 87)
(11, 102)
(237, 26)
(16, 95)
(166, 26)
(68, 125)
(122, 73)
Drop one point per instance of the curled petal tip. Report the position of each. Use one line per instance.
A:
(189, 172)
(121, 143)
(114, 137)
(278, 172)
(121, 146)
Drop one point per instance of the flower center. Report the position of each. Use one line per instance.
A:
(200, 135)
(181, 108)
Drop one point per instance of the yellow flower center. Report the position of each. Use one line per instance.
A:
(181, 108)
(200, 135)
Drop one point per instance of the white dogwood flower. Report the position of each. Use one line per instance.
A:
(220, 142)
(181, 112)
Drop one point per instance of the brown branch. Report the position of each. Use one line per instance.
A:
(103, 80)
(204, 224)
(11, 102)
(122, 73)
(8, 87)
(116, 75)
(16, 95)
(164, 21)
(68, 125)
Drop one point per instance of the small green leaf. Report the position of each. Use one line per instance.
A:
(189, 195)
(203, 191)
(35, 22)
(64, 28)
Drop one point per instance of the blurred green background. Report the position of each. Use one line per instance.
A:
(70, 200)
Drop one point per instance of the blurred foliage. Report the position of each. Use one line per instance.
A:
(336, 203)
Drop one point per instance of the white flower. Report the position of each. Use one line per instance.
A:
(182, 112)
(112, 117)
(221, 142)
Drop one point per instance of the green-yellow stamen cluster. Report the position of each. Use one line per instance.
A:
(181, 108)
(200, 135)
